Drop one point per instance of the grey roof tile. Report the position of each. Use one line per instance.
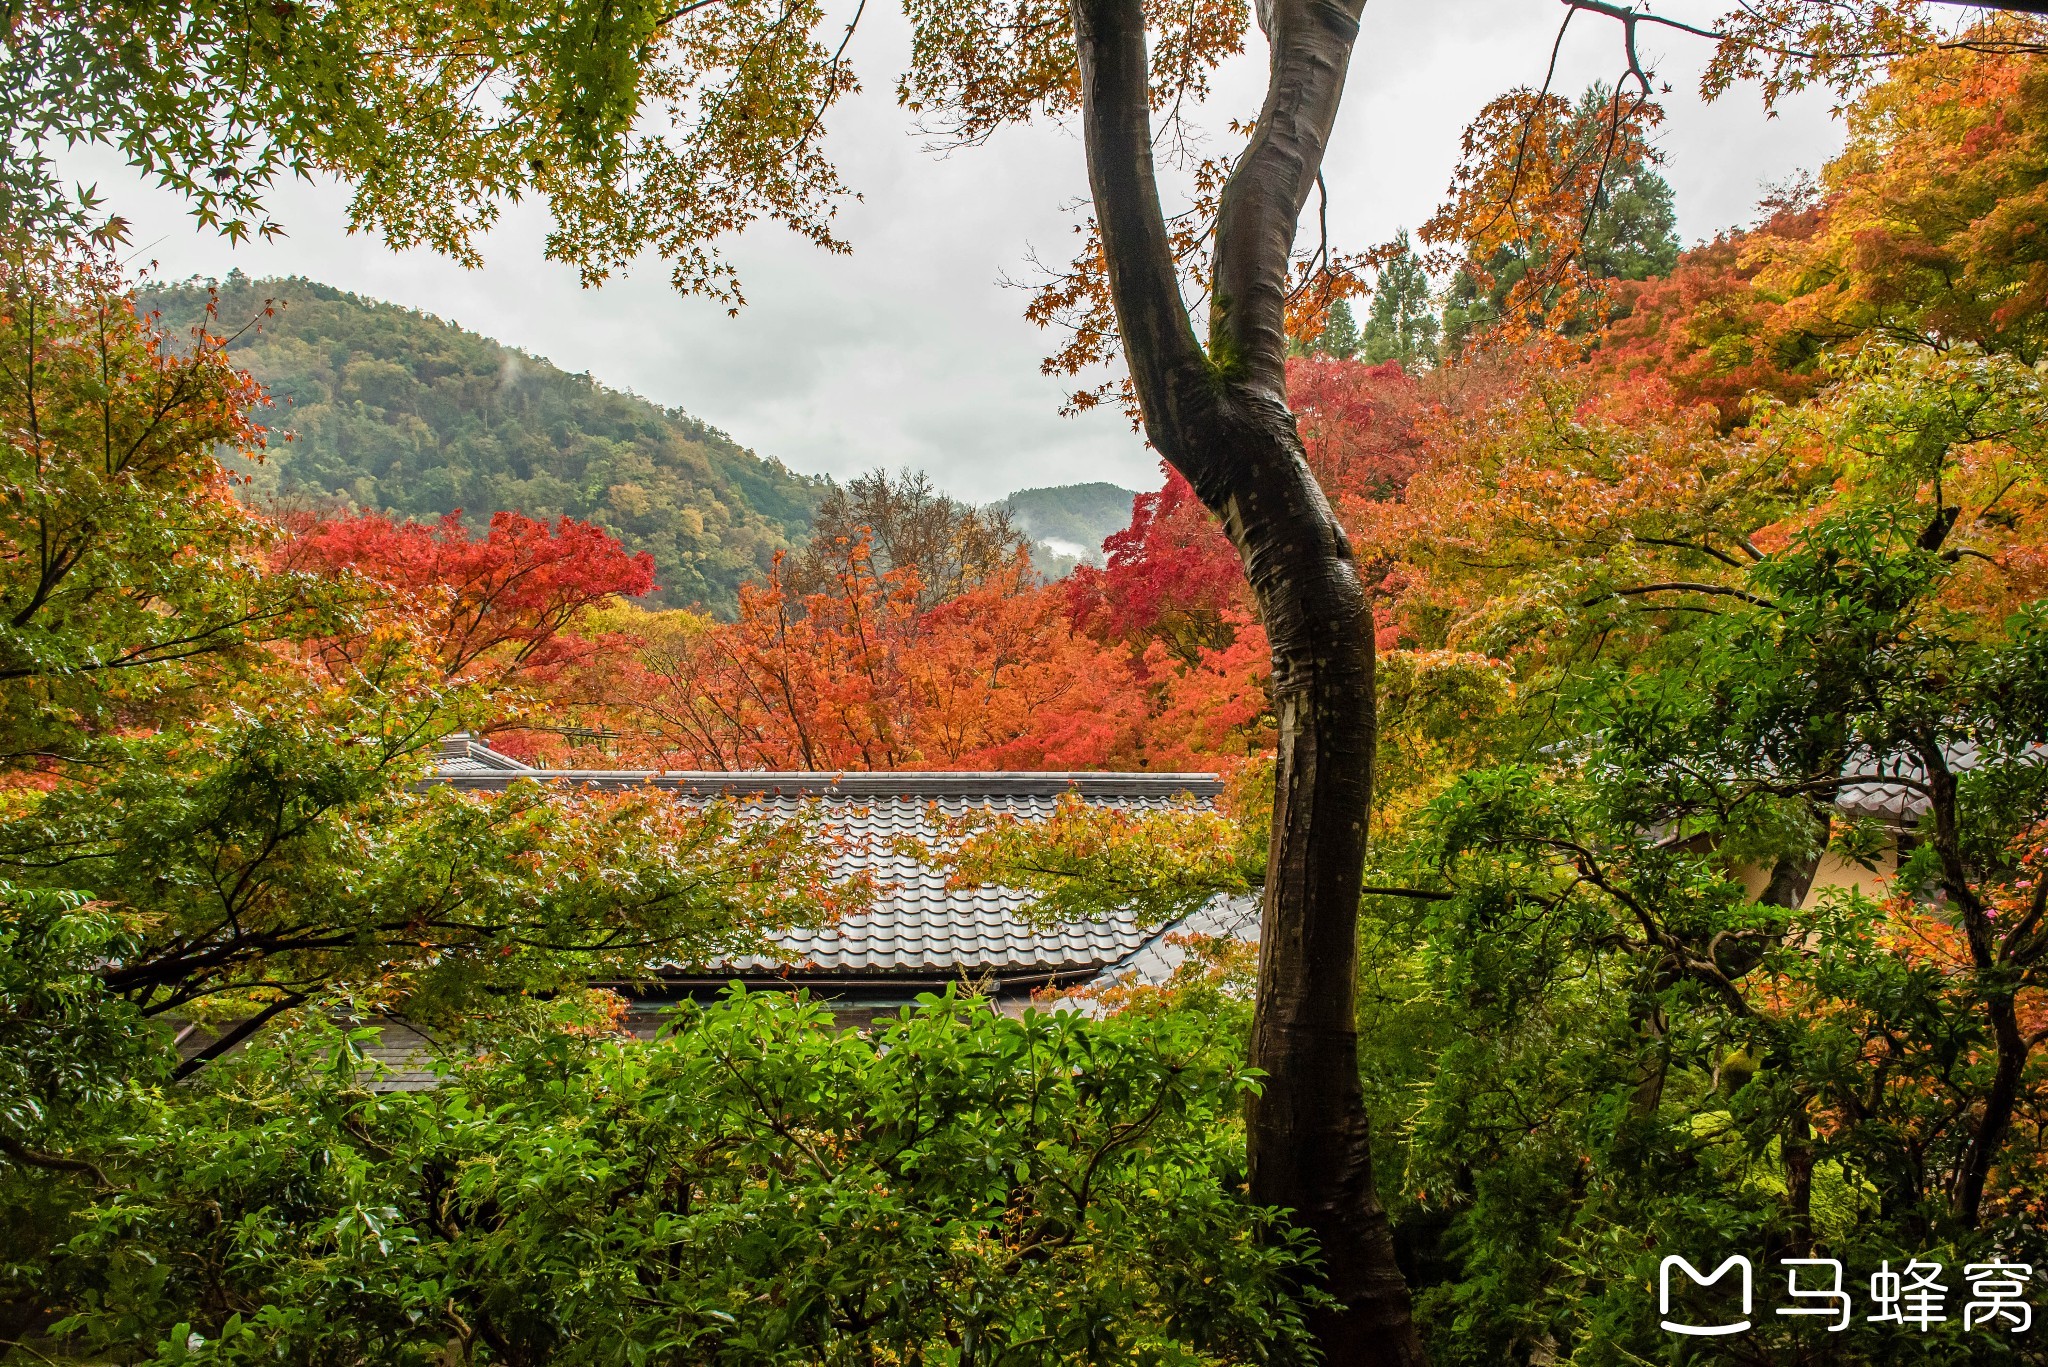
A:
(465, 755)
(1152, 963)
(1901, 803)
(916, 925)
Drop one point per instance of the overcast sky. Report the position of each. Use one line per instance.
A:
(911, 351)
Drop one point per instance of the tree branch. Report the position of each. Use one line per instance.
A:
(1261, 204)
(241, 1031)
(35, 1158)
(1681, 587)
(1117, 127)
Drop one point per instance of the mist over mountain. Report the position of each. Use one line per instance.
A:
(1067, 522)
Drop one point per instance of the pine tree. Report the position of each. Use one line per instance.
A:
(1339, 338)
(1403, 324)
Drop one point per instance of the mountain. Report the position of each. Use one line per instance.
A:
(1067, 523)
(395, 410)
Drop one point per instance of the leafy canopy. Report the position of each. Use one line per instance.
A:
(755, 1186)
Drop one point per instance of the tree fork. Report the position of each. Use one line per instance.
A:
(1220, 417)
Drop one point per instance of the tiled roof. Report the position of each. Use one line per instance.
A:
(917, 927)
(1898, 803)
(463, 755)
(1153, 963)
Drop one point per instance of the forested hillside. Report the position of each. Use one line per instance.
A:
(398, 411)
(1072, 519)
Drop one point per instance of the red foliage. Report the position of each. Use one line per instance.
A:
(855, 676)
(1171, 576)
(1708, 330)
(1155, 661)
(798, 682)
(497, 604)
(998, 678)
(1358, 425)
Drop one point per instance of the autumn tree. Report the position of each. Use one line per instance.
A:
(1914, 232)
(1858, 689)
(855, 675)
(389, 108)
(196, 826)
(907, 526)
(122, 549)
(1551, 201)
(1926, 231)
(800, 681)
(1712, 330)
(1784, 46)
(499, 604)
(1170, 576)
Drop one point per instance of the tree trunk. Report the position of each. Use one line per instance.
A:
(1996, 984)
(1221, 417)
(2001, 1099)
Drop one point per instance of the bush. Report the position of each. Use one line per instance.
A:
(756, 1186)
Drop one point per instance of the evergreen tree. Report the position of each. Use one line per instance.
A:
(1339, 337)
(1631, 234)
(1403, 324)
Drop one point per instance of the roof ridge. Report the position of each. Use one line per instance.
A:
(878, 783)
(463, 751)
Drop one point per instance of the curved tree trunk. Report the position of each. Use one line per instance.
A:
(1220, 416)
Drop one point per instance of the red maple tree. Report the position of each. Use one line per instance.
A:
(495, 605)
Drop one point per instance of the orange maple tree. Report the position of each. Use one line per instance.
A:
(855, 675)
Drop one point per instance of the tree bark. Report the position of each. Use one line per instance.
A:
(1997, 985)
(1220, 417)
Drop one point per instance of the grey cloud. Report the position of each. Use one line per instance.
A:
(910, 351)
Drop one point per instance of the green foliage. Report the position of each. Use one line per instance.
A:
(65, 1050)
(757, 1186)
(74, 1063)
(283, 851)
(640, 125)
(1598, 1045)
(1633, 231)
(210, 818)
(1403, 323)
(395, 411)
(1340, 336)
(1440, 713)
